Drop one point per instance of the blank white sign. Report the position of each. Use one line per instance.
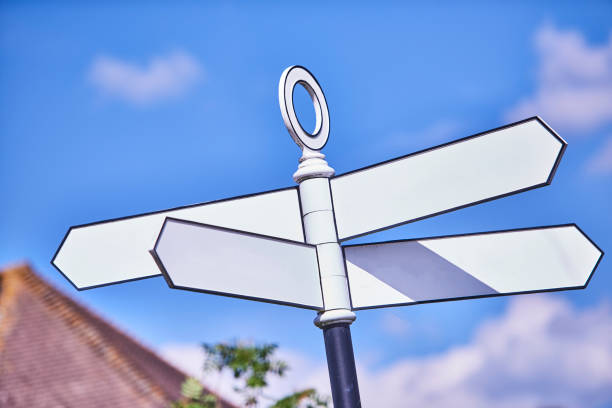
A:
(469, 171)
(118, 250)
(234, 263)
(488, 264)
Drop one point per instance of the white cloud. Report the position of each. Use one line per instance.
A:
(392, 324)
(601, 161)
(541, 352)
(574, 89)
(162, 78)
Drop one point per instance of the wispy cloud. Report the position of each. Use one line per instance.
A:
(163, 77)
(541, 352)
(394, 325)
(601, 161)
(574, 90)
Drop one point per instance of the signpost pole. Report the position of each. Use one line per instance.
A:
(320, 230)
(319, 222)
(341, 365)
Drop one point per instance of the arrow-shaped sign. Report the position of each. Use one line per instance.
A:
(469, 171)
(223, 261)
(115, 251)
(472, 265)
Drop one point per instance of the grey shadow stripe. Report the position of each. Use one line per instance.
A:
(416, 271)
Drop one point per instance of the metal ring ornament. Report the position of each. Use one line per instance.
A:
(292, 76)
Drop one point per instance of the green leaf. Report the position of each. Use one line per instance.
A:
(191, 388)
(308, 398)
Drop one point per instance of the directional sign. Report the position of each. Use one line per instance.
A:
(222, 261)
(117, 250)
(466, 266)
(283, 246)
(493, 164)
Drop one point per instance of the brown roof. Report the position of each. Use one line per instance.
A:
(56, 353)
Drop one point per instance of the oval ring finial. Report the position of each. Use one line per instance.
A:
(292, 76)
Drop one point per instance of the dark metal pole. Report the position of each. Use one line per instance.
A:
(341, 365)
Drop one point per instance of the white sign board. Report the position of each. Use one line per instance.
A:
(116, 251)
(467, 266)
(469, 171)
(224, 261)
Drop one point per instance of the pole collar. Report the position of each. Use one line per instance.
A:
(335, 316)
(312, 165)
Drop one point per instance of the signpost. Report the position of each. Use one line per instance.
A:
(284, 246)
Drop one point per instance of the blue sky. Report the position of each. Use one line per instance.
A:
(113, 110)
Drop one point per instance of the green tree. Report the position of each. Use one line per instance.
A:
(251, 364)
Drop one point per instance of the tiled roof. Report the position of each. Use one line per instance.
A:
(56, 353)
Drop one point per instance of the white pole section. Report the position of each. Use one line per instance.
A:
(315, 194)
(320, 230)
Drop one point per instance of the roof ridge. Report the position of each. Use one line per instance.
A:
(97, 333)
